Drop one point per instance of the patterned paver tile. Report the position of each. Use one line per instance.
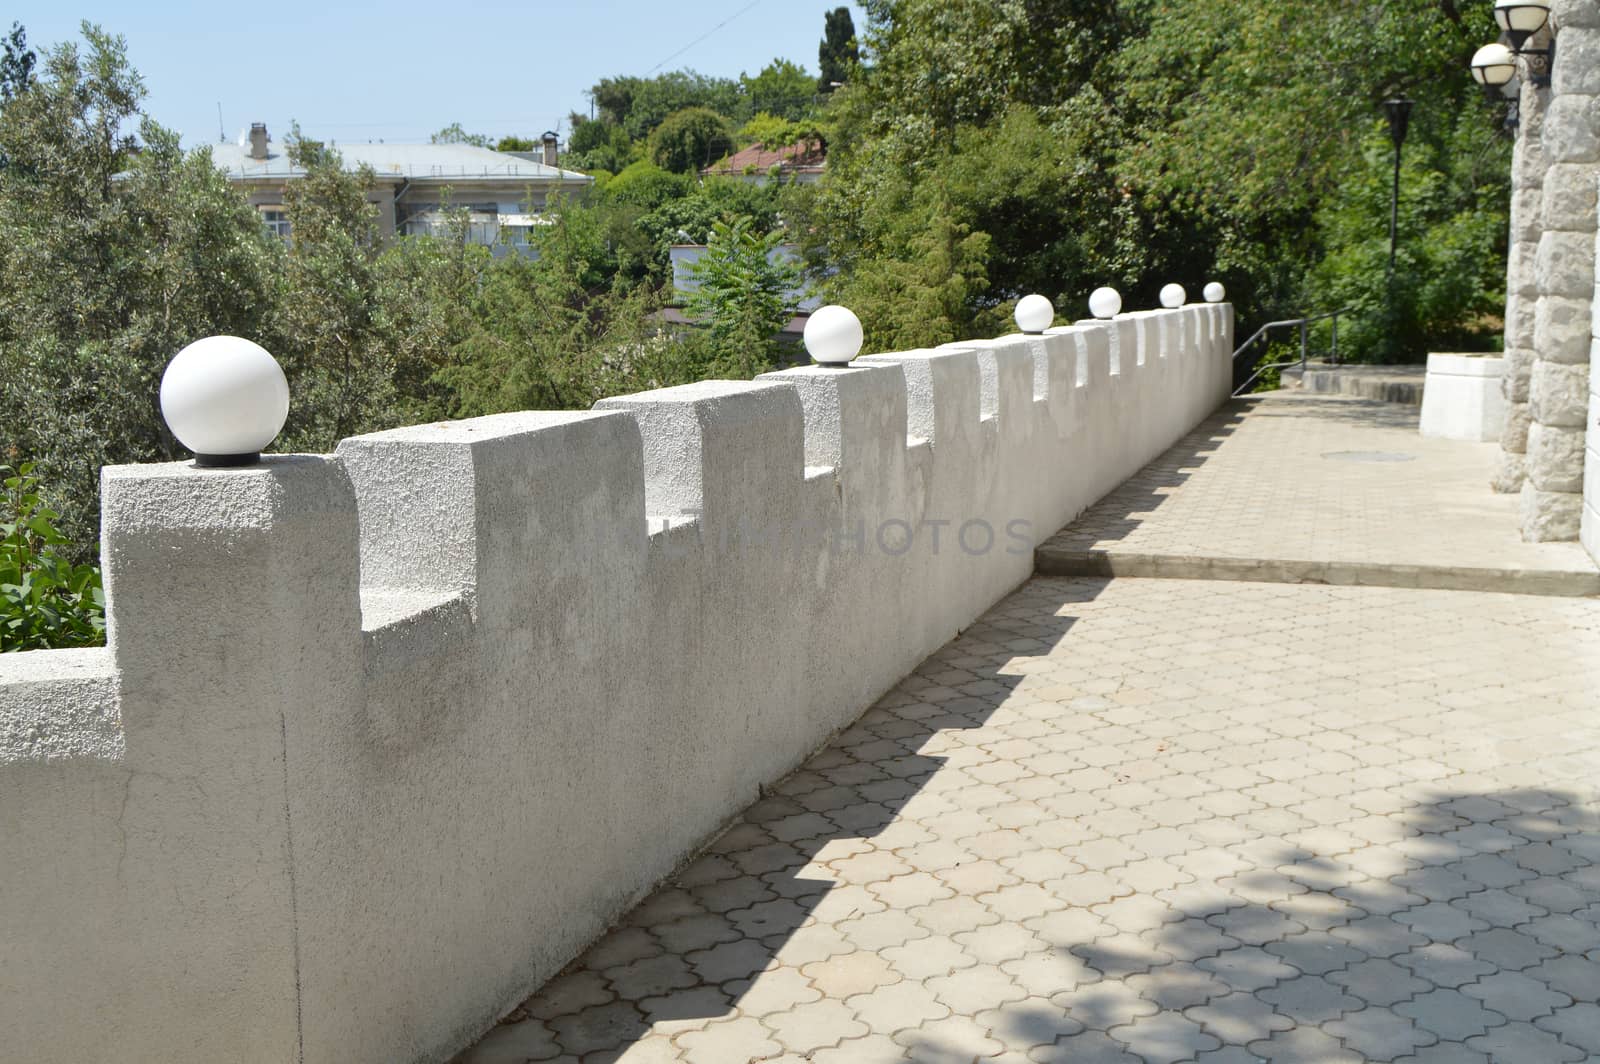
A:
(1523, 1041)
(1103, 825)
(1379, 1033)
(1450, 1014)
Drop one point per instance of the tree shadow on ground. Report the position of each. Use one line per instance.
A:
(1466, 927)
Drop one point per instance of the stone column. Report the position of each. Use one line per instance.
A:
(1564, 270)
(1589, 526)
(1522, 293)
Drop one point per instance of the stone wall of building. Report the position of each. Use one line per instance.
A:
(1522, 290)
(383, 739)
(1589, 523)
(1564, 273)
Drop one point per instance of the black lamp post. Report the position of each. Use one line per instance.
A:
(1399, 111)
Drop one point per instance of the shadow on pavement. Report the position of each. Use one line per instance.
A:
(1401, 923)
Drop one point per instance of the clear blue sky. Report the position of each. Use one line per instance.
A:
(401, 70)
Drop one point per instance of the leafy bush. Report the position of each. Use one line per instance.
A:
(691, 139)
(744, 281)
(45, 601)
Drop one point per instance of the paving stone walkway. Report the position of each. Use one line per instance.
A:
(1294, 487)
(1151, 820)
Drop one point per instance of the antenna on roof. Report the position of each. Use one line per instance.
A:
(222, 137)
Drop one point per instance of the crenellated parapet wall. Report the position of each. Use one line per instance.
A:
(383, 738)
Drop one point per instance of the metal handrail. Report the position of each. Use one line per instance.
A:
(1303, 323)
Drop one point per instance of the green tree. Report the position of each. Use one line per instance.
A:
(115, 260)
(427, 305)
(559, 331)
(341, 374)
(601, 146)
(838, 54)
(782, 88)
(639, 105)
(16, 63)
(691, 219)
(513, 143)
(922, 285)
(647, 186)
(1449, 280)
(742, 296)
(454, 134)
(1139, 141)
(690, 140)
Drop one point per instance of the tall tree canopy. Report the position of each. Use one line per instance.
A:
(1135, 142)
(838, 53)
(16, 62)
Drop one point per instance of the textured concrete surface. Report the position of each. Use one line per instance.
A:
(1150, 820)
(1311, 488)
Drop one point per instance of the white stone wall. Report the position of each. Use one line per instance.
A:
(1564, 273)
(382, 739)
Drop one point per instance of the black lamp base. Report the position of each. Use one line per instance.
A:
(227, 461)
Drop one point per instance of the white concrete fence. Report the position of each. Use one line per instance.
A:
(383, 738)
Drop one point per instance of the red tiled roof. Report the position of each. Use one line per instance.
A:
(802, 155)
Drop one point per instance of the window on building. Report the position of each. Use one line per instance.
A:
(276, 220)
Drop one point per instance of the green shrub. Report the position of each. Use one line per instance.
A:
(45, 601)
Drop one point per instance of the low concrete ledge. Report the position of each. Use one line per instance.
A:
(1389, 384)
(1462, 399)
(1054, 561)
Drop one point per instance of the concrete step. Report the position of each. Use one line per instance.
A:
(1059, 561)
(1389, 384)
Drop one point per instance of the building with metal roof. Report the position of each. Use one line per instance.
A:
(505, 193)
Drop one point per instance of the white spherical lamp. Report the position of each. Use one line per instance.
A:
(1493, 65)
(1034, 314)
(1215, 293)
(833, 335)
(1173, 295)
(226, 399)
(1105, 302)
(1521, 19)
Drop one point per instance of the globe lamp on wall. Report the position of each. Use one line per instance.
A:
(833, 335)
(1521, 19)
(226, 399)
(1034, 314)
(1105, 302)
(1173, 295)
(1494, 65)
(1215, 293)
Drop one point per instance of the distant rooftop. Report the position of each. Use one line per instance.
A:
(409, 161)
(806, 156)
